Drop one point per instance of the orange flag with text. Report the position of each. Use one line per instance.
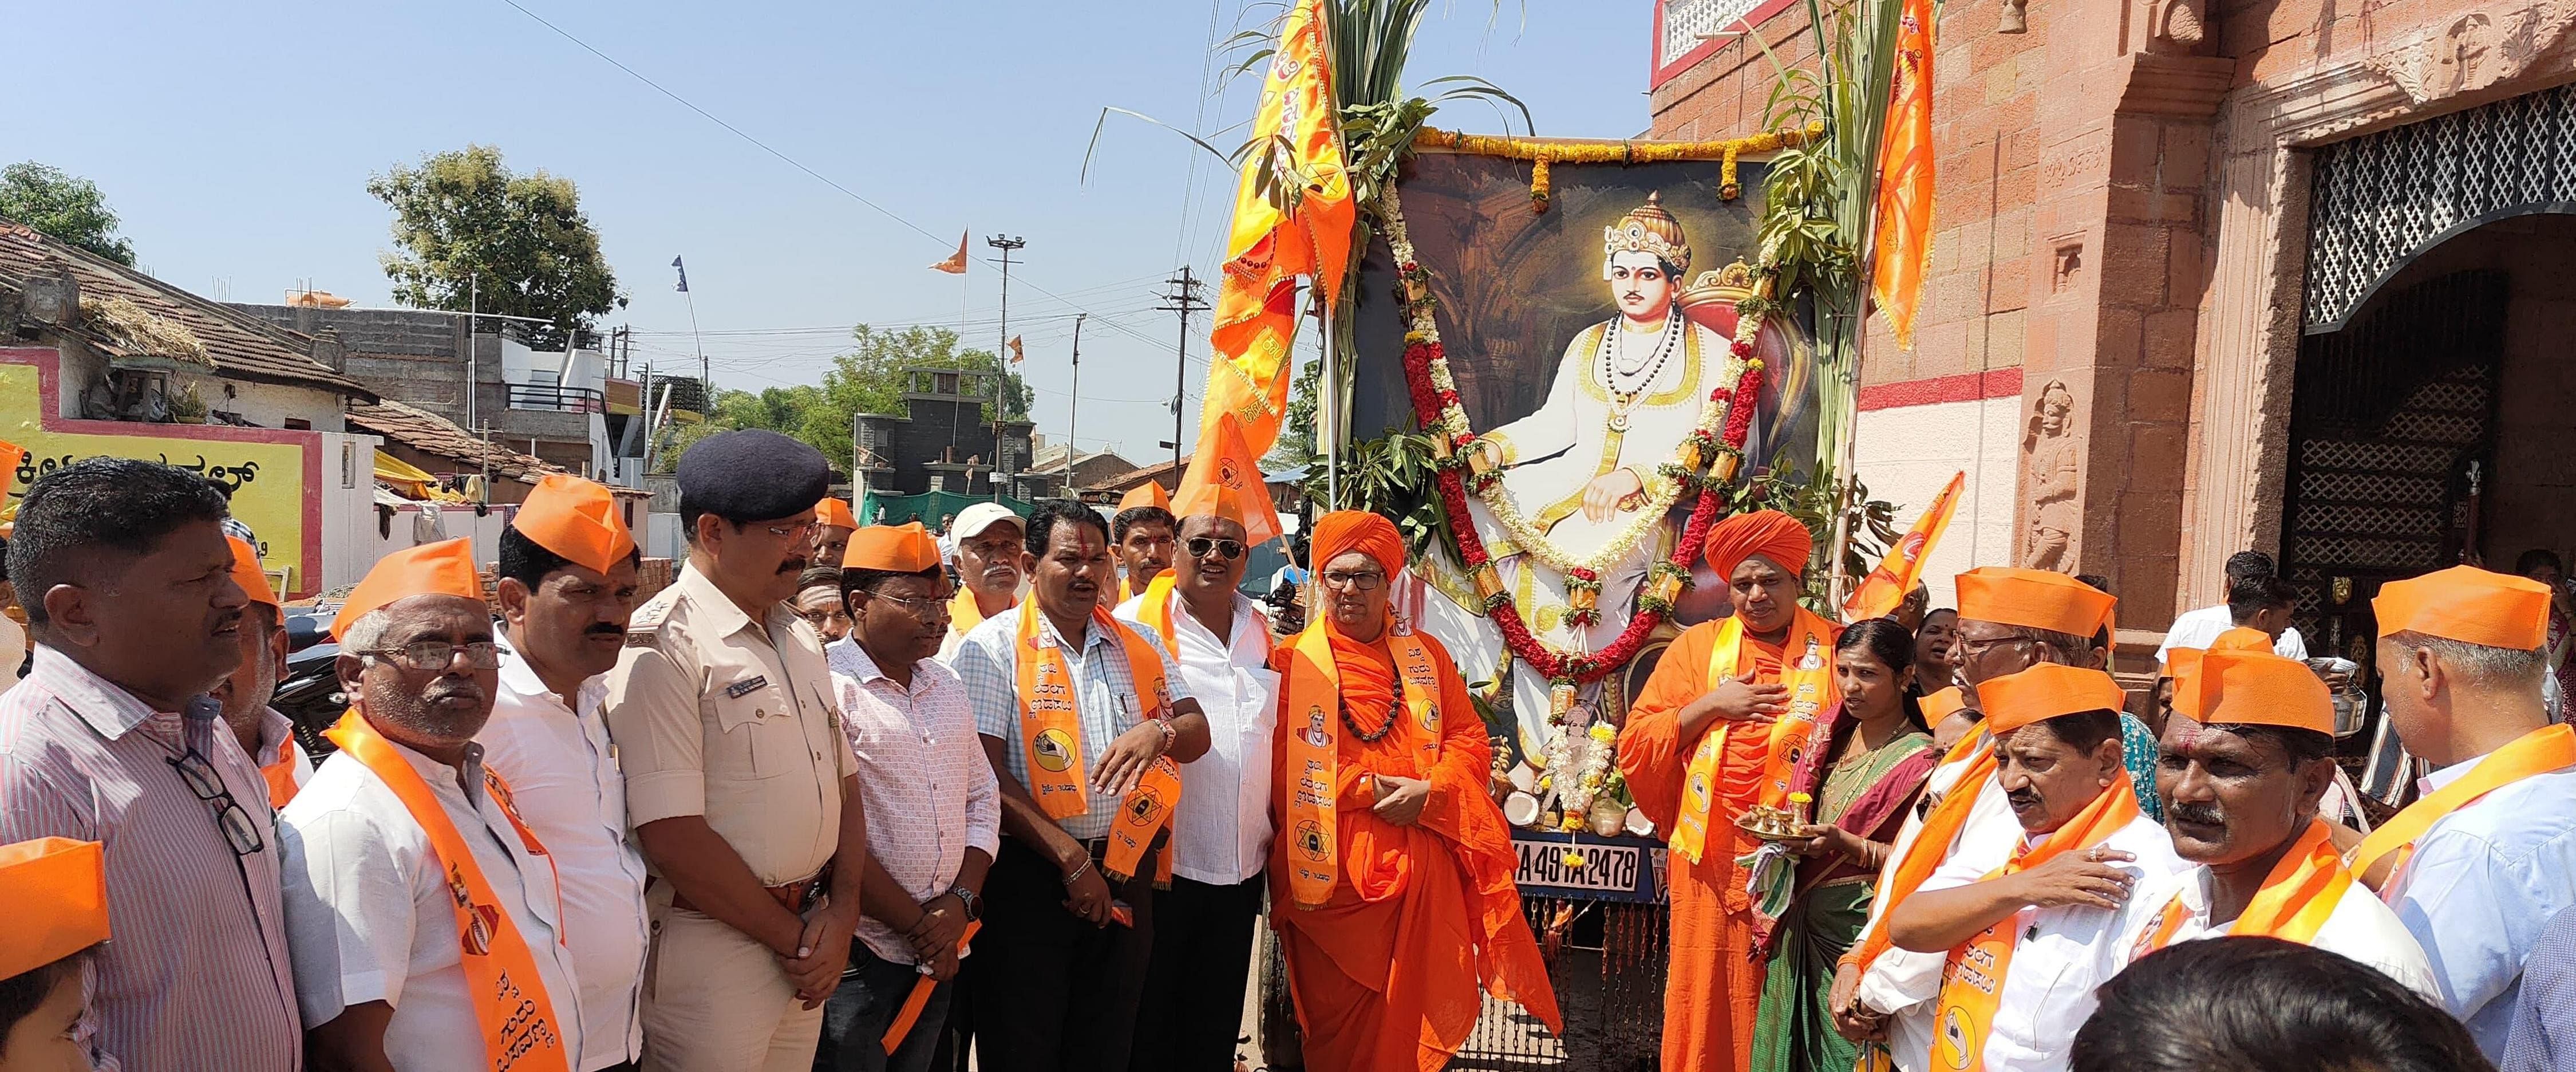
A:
(1293, 216)
(1885, 587)
(1224, 460)
(1903, 244)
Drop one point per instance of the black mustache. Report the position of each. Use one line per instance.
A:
(793, 565)
(2196, 814)
(2024, 798)
(605, 629)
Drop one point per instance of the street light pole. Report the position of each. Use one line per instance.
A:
(1002, 362)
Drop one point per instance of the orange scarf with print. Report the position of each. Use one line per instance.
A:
(1807, 671)
(2292, 905)
(1972, 982)
(1931, 843)
(1051, 734)
(501, 977)
(1314, 748)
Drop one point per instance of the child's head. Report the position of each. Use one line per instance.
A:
(37, 1011)
(56, 889)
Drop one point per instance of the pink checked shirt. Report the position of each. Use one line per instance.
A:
(929, 791)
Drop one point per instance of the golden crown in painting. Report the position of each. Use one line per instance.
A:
(1646, 229)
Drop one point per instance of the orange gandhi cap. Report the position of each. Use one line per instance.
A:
(1150, 493)
(905, 548)
(1943, 704)
(2242, 638)
(443, 568)
(1211, 500)
(246, 573)
(2033, 599)
(832, 511)
(2469, 605)
(577, 519)
(2046, 691)
(2260, 688)
(56, 890)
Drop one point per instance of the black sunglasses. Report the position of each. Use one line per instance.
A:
(1199, 546)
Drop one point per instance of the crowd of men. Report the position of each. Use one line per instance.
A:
(850, 797)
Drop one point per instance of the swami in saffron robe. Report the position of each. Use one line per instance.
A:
(1387, 973)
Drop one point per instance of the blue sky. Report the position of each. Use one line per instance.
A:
(237, 149)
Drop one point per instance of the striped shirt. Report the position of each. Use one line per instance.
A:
(197, 974)
(1104, 695)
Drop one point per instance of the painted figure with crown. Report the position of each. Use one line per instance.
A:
(1583, 466)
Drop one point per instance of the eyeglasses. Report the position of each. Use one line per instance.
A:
(792, 533)
(1964, 647)
(1199, 546)
(239, 828)
(918, 608)
(1361, 581)
(428, 656)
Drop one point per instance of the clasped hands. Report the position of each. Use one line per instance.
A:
(822, 951)
(935, 936)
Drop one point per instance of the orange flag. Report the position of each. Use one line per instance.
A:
(955, 265)
(1300, 225)
(1016, 355)
(1904, 232)
(1225, 460)
(1885, 587)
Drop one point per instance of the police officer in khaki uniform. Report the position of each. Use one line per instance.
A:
(738, 781)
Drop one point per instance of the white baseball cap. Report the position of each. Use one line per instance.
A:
(983, 515)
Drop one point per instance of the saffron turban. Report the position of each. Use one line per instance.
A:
(246, 573)
(906, 548)
(578, 520)
(832, 511)
(56, 890)
(445, 568)
(2260, 688)
(1943, 704)
(1768, 533)
(1151, 493)
(2469, 605)
(1344, 531)
(2046, 691)
(2033, 599)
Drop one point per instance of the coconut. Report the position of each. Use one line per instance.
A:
(1525, 778)
(1608, 818)
(1520, 809)
(1638, 824)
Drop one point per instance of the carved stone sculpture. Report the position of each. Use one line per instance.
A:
(2051, 452)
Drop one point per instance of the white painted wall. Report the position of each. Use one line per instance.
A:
(348, 492)
(269, 405)
(662, 538)
(451, 522)
(1907, 452)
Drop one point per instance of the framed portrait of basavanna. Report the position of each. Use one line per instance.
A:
(1585, 330)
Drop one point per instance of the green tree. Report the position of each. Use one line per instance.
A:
(465, 224)
(870, 379)
(64, 207)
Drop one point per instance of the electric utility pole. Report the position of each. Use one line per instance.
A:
(1002, 360)
(1184, 299)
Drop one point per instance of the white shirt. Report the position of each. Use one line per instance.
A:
(562, 773)
(2359, 927)
(2197, 629)
(1901, 982)
(1221, 827)
(2064, 953)
(369, 918)
(929, 791)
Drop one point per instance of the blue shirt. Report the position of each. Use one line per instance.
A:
(2479, 888)
(2138, 753)
(2544, 1018)
(1103, 695)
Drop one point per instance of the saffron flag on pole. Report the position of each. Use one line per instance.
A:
(955, 264)
(1293, 216)
(1903, 240)
(1225, 460)
(1016, 355)
(1885, 587)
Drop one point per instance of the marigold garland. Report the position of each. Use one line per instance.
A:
(1542, 154)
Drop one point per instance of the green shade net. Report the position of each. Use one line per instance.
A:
(927, 508)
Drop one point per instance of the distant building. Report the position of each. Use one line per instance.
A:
(941, 442)
(1065, 472)
(575, 408)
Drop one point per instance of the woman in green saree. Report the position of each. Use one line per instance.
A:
(1871, 756)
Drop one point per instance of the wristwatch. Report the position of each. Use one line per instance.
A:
(974, 904)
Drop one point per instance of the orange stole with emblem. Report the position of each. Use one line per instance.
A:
(1051, 735)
